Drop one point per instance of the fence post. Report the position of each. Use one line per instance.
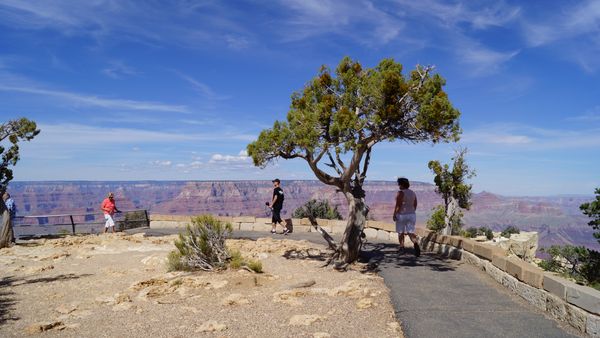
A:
(147, 218)
(72, 224)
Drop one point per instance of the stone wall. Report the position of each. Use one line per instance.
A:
(564, 300)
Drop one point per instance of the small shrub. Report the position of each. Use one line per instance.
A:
(577, 262)
(473, 232)
(436, 220)
(255, 265)
(509, 231)
(317, 209)
(202, 246)
(174, 262)
(487, 232)
(237, 261)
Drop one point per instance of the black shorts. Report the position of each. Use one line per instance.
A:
(276, 218)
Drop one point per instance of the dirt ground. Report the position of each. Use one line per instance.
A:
(117, 285)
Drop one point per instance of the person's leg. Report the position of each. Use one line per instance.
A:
(273, 227)
(400, 243)
(410, 227)
(285, 228)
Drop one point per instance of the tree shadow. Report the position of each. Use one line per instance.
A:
(7, 296)
(7, 300)
(380, 255)
(308, 254)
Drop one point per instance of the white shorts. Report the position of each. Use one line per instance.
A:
(109, 221)
(406, 223)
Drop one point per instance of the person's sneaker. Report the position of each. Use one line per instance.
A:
(417, 250)
(286, 231)
(273, 231)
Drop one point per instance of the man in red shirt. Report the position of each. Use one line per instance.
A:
(109, 208)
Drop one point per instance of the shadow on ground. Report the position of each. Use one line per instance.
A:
(7, 296)
(376, 254)
(7, 300)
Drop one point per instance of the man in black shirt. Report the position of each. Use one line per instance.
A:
(276, 206)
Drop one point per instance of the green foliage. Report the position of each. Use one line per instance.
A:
(473, 232)
(509, 231)
(451, 185)
(577, 262)
(202, 246)
(255, 265)
(436, 220)
(14, 131)
(317, 209)
(175, 262)
(237, 261)
(351, 110)
(592, 210)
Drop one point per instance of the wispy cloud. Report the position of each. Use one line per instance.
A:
(527, 138)
(191, 24)
(309, 18)
(76, 135)
(90, 100)
(483, 61)
(573, 30)
(591, 116)
(200, 87)
(476, 14)
(118, 70)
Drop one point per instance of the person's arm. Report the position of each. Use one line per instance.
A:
(274, 199)
(399, 198)
(415, 202)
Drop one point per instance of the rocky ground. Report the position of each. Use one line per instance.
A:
(117, 285)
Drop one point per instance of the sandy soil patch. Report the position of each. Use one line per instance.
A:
(116, 285)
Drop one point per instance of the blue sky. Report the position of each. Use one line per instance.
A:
(132, 90)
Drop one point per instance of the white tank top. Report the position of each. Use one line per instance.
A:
(408, 201)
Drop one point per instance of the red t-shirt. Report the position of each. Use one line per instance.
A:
(108, 206)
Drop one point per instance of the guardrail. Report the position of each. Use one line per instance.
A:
(127, 219)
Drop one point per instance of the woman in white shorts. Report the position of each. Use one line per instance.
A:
(405, 216)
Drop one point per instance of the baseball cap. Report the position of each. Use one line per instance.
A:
(276, 180)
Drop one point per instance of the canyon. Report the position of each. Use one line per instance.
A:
(557, 219)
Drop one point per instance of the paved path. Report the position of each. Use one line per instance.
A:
(436, 297)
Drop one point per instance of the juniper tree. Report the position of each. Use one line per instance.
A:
(451, 185)
(12, 131)
(592, 210)
(338, 117)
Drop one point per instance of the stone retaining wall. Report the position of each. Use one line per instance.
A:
(564, 300)
(374, 230)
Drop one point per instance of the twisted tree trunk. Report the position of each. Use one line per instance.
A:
(451, 209)
(6, 236)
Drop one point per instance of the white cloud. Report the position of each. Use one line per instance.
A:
(528, 138)
(160, 163)
(190, 24)
(77, 134)
(90, 100)
(482, 60)
(118, 70)
(308, 18)
(200, 87)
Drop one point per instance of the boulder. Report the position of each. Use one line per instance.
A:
(523, 245)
